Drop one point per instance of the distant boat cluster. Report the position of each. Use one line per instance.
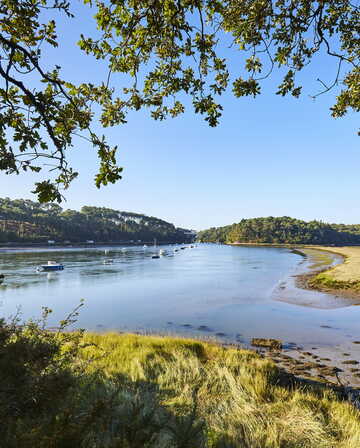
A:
(165, 253)
(52, 266)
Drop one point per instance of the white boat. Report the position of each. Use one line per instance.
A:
(144, 246)
(109, 261)
(161, 252)
(52, 266)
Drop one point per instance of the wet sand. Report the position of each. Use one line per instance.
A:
(337, 364)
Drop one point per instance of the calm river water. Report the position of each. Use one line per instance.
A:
(237, 292)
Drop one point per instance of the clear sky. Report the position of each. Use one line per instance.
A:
(269, 156)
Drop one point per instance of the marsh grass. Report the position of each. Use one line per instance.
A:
(186, 393)
(62, 389)
(328, 281)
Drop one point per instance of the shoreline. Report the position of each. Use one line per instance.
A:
(223, 381)
(342, 280)
(294, 364)
(295, 356)
(329, 279)
(304, 281)
(333, 366)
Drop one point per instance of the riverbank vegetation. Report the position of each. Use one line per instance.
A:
(282, 230)
(28, 221)
(344, 276)
(62, 389)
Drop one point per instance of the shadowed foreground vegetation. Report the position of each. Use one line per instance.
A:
(128, 391)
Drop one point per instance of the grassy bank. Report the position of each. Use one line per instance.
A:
(223, 397)
(69, 389)
(343, 277)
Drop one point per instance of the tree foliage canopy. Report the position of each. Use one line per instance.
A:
(169, 50)
(283, 230)
(28, 221)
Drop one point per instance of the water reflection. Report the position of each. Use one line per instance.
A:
(218, 291)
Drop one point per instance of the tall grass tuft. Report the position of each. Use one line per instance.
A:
(62, 390)
(235, 398)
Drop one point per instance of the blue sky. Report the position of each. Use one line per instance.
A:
(269, 156)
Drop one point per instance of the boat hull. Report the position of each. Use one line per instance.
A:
(48, 268)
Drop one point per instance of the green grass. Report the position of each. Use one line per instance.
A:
(325, 280)
(218, 397)
(319, 259)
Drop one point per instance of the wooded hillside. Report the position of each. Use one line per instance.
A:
(28, 221)
(283, 230)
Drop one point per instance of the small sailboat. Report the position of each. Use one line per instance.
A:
(52, 266)
(162, 252)
(144, 246)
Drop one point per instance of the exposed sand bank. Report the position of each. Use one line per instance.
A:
(349, 271)
(337, 273)
(342, 279)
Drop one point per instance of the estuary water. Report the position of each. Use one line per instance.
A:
(231, 293)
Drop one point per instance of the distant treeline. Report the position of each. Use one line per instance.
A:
(283, 230)
(28, 221)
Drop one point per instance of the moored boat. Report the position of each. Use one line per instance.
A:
(52, 266)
